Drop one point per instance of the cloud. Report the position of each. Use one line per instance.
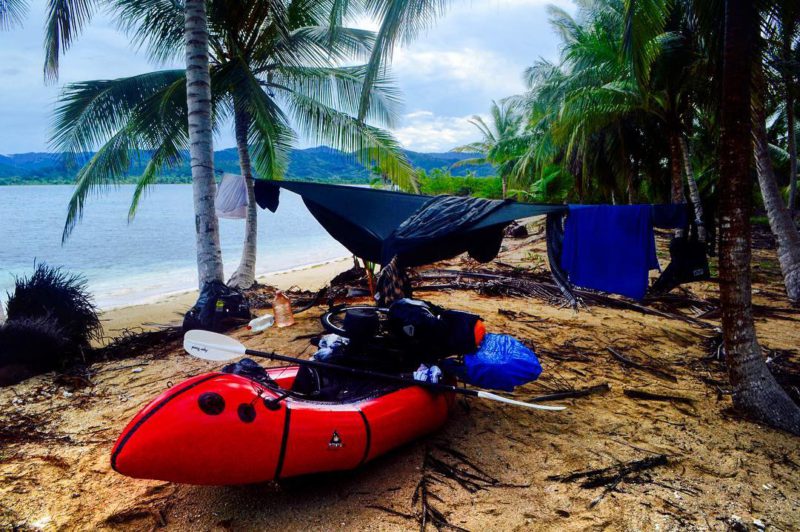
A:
(476, 52)
(422, 130)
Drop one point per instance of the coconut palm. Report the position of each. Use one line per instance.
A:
(607, 90)
(274, 70)
(67, 18)
(500, 140)
(779, 215)
(755, 389)
(12, 12)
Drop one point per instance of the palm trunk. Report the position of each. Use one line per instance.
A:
(675, 167)
(504, 184)
(789, 27)
(201, 149)
(780, 221)
(245, 275)
(694, 192)
(755, 389)
(677, 174)
(792, 147)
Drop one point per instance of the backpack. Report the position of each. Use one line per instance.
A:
(217, 306)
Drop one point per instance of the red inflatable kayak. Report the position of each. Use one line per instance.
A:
(221, 428)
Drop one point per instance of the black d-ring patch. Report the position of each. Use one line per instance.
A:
(211, 403)
(247, 413)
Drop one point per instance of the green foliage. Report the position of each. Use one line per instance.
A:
(441, 182)
(278, 63)
(319, 164)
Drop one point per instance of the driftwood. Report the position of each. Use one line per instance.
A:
(453, 465)
(567, 394)
(517, 283)
(611, 477)
(661, 374)
(649, 396)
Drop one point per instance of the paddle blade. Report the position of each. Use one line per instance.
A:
(499, 398)
(212, 346)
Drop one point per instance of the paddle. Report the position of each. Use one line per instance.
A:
(218, 347)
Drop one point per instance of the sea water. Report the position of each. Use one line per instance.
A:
(153, 255)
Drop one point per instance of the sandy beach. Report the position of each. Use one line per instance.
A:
(720, 469)
(169, 310)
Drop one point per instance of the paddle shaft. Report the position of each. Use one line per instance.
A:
(363, 372)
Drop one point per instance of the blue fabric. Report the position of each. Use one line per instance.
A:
(501, 363)
(610, 248)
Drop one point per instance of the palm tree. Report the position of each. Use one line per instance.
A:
(201, 147)
(273, 69)
(755, 389)
(12, 12)
(500, 140)
(786, 233)
(67, 18)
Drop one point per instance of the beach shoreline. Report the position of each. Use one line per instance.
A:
(168, 309)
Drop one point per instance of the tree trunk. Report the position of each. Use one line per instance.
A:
(789, 27)
(245, 274)
(792, 141)
(677, 175)
(694, 192)
(201, 149)
(675, 168)
(780, 221)
(504, 184)
(755, 389)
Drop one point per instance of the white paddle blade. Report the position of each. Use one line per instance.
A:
(212, 346)
(493, 397)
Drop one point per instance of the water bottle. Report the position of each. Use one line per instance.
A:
(283, 310)
(261, 323)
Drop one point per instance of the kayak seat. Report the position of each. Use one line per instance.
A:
(331, 387)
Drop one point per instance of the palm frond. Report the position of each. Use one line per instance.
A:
(11, 13)
(65, 20)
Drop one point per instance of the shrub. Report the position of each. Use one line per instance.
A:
(52, 294)
(29, 346)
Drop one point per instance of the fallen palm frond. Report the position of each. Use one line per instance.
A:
(517, 283)
(17, 427)
(611, 477)
(138, 342)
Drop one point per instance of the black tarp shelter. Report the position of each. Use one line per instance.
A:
(378, 225)
(366, 221)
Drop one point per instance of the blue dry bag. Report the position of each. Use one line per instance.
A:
(501, 363)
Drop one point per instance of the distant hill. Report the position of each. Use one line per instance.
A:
(312, 164)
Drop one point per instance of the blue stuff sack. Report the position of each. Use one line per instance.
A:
(501, 363)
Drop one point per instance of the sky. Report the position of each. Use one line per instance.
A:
(474, 54)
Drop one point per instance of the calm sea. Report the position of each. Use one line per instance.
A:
(128, 263)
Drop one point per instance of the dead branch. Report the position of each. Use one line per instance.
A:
(567, 394)
(649, 396)
(661, 374)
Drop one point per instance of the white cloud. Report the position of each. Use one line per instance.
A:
(424, 131)
(465, 69)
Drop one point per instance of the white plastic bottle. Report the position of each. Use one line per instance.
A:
(262, 323)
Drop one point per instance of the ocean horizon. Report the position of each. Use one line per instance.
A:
(152, 256)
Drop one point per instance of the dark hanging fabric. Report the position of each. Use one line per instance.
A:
(365, 220)
(392, 284)
(554, 233)
(442, 226)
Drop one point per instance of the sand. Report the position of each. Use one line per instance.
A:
(721, 469)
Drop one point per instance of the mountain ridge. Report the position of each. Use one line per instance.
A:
(319, 163)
